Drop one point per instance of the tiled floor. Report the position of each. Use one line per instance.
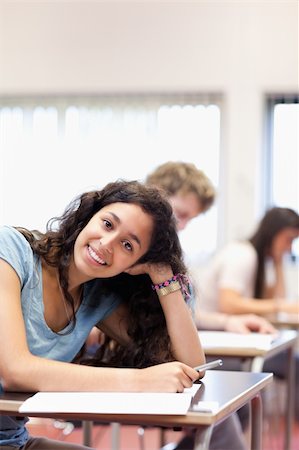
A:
(130, 437)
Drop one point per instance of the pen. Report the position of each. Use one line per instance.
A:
(209, 365)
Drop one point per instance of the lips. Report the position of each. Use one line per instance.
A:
(95, 256)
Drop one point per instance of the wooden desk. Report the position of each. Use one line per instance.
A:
(230, 389)
(253, 359)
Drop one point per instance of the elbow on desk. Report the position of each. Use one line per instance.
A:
(7, 380)
(16, 377)
(6, 384)
(11, 381)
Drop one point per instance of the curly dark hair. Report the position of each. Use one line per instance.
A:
(275, 220)
(146, 327)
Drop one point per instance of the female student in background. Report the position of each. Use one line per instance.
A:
(97, 265)
(235, 281)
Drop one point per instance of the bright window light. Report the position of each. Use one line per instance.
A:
(285, 158)
(54, 150)
(286, 155)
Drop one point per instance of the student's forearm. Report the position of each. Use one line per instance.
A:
(182, 330)
(32, 373)
(258, 306)
(40, 374)
(210, 320)
(249, 306)
(232, 302)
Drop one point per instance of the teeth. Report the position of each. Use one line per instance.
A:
(95, 256)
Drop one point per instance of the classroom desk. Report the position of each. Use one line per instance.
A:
(285, 320)
(253, 358)
(230, 389)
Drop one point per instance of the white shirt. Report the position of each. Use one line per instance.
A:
(233, 267)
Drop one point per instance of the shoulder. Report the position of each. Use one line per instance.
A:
(240, 249)
(236, 256)
(15, 250)
(11, 238)
(9, 232)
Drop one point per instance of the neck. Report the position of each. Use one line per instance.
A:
(75, 278)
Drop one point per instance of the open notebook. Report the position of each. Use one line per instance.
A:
(110, 402)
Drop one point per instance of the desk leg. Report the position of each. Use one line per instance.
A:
(115, 435)
(257, 364)
(256, 423)
(202, 438)
(290, 398)
(87, 428)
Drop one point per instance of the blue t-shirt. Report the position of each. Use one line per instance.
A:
(41, 340)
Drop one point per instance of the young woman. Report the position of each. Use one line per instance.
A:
(113, 260)
(236, 280)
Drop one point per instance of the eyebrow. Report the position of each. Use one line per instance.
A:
(132, 235)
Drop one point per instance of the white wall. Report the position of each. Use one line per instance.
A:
(243, 49)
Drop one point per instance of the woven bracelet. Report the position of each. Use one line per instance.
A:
(178, 281)
(166, 283)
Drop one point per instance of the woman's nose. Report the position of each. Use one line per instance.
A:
(107, 243)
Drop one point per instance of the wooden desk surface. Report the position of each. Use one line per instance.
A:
(230, 389)
(284, 340)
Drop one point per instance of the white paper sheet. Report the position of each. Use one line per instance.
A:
(221, 339)
(110, 402)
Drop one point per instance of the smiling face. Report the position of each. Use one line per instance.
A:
(112, 241)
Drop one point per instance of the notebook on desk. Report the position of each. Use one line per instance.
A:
(110, 402)
(225, 339)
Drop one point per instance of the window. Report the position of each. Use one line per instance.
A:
(283, 154)
(54, 149)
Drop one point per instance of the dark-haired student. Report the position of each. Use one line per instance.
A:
(95, 266)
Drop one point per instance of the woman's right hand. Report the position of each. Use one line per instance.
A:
(158, 272)
(168, 377)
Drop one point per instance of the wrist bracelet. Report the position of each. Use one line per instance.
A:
(179, 281)
(166, 283)
(172, 287)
